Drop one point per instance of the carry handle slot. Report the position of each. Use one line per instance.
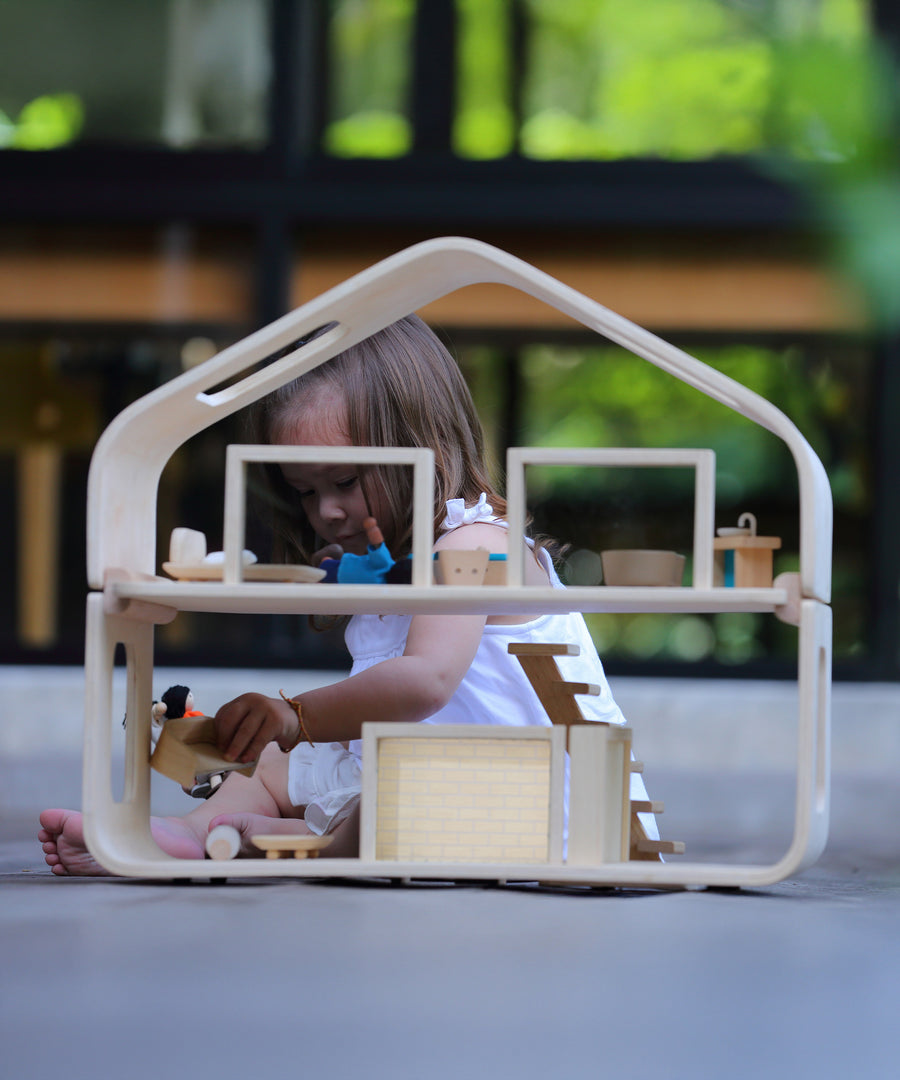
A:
(245, 381)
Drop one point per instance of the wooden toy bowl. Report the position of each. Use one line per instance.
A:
(642, 567)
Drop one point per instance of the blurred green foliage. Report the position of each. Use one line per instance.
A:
(850, 173)
(670, 78)
(803, 88)
(604, 396)
(686, 79)
(602, 79)
(371, 134)
(484, 125)
(601, 395)
(45, 123)
(370, 69)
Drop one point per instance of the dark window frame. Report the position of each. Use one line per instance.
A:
(288, 187)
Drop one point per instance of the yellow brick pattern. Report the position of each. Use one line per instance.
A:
(471, 800)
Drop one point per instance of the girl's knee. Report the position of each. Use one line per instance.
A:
(272, 773)
(271, 756)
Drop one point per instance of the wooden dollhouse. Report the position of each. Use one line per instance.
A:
(129, 596)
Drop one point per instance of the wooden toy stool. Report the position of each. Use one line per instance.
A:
(285, 846)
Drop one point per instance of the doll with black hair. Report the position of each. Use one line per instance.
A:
(176, 702)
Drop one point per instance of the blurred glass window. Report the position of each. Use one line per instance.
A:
(485, 121)
(580, 395)
(672, 79)
(369, 78)
(182, 73)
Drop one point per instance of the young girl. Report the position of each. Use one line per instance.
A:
(398, 388)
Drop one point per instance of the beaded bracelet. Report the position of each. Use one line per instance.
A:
(302, 733)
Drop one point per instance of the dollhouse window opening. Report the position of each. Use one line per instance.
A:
(702, 461)
(238, 456)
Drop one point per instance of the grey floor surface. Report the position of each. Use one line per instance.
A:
(325, 978)
(329, 978)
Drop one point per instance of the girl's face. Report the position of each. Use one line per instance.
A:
(331, 495)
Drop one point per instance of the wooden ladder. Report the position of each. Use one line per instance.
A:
(558, 698)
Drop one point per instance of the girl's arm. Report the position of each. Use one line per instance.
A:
(412, 687)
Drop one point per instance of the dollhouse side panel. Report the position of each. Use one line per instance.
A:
(451, 793)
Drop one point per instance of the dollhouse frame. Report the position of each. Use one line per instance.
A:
(128, 597)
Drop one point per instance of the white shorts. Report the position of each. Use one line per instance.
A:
(326, 779)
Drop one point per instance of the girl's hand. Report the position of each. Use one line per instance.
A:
(246, 725)
(330, 551)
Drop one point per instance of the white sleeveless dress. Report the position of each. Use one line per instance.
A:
(495, 689)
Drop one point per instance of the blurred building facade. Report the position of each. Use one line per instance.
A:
(176, 174)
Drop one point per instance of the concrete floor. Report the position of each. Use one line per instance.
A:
(330, 978)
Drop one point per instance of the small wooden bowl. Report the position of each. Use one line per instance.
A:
(641, 567)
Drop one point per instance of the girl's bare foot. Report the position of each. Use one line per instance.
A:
(65, 850)
(250, 825)
(62, 838)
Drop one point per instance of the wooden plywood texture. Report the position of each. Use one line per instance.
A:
(464, 799)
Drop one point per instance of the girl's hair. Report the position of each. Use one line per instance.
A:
(401, 387)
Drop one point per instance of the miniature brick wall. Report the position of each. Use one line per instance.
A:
(472, 800)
